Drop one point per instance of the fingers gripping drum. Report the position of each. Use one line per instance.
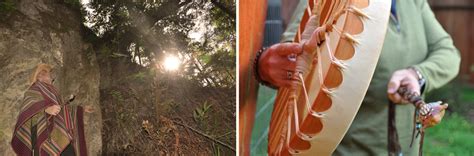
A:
(308, 57)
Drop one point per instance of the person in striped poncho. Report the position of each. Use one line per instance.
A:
(46, 125)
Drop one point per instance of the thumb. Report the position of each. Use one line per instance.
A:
(317, 37)
(285, 49)
(393, 84)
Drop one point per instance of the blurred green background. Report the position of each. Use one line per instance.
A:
(455, 134)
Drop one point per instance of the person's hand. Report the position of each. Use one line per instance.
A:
(404, 77)
(53, 110)
(277, 65)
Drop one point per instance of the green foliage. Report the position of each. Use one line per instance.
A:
(167, 106)
(117, 95)
(7, 6)
(216, 53)
(154, 29)
(143, 76)
(216, 150)
(138, 76)
(453, 136)
(73, 3)
(200, 113)
(105, 52)
(467, 94)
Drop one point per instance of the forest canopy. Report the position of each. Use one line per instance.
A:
(145, 32)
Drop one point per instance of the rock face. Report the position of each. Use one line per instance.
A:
(42, 31)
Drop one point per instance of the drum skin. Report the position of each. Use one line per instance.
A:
(336, 85)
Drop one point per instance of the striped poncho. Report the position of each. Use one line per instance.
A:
(38, 133)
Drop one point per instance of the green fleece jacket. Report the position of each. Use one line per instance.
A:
(419, 41)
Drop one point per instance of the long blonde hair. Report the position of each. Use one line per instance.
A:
(41, 67)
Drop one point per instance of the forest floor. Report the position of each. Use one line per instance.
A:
(164, 115)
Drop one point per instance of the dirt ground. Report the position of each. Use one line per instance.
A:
(163, 115)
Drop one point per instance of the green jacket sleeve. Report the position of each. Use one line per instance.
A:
(443, 60)
(294, 22)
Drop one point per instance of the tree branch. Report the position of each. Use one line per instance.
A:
(205, 135)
